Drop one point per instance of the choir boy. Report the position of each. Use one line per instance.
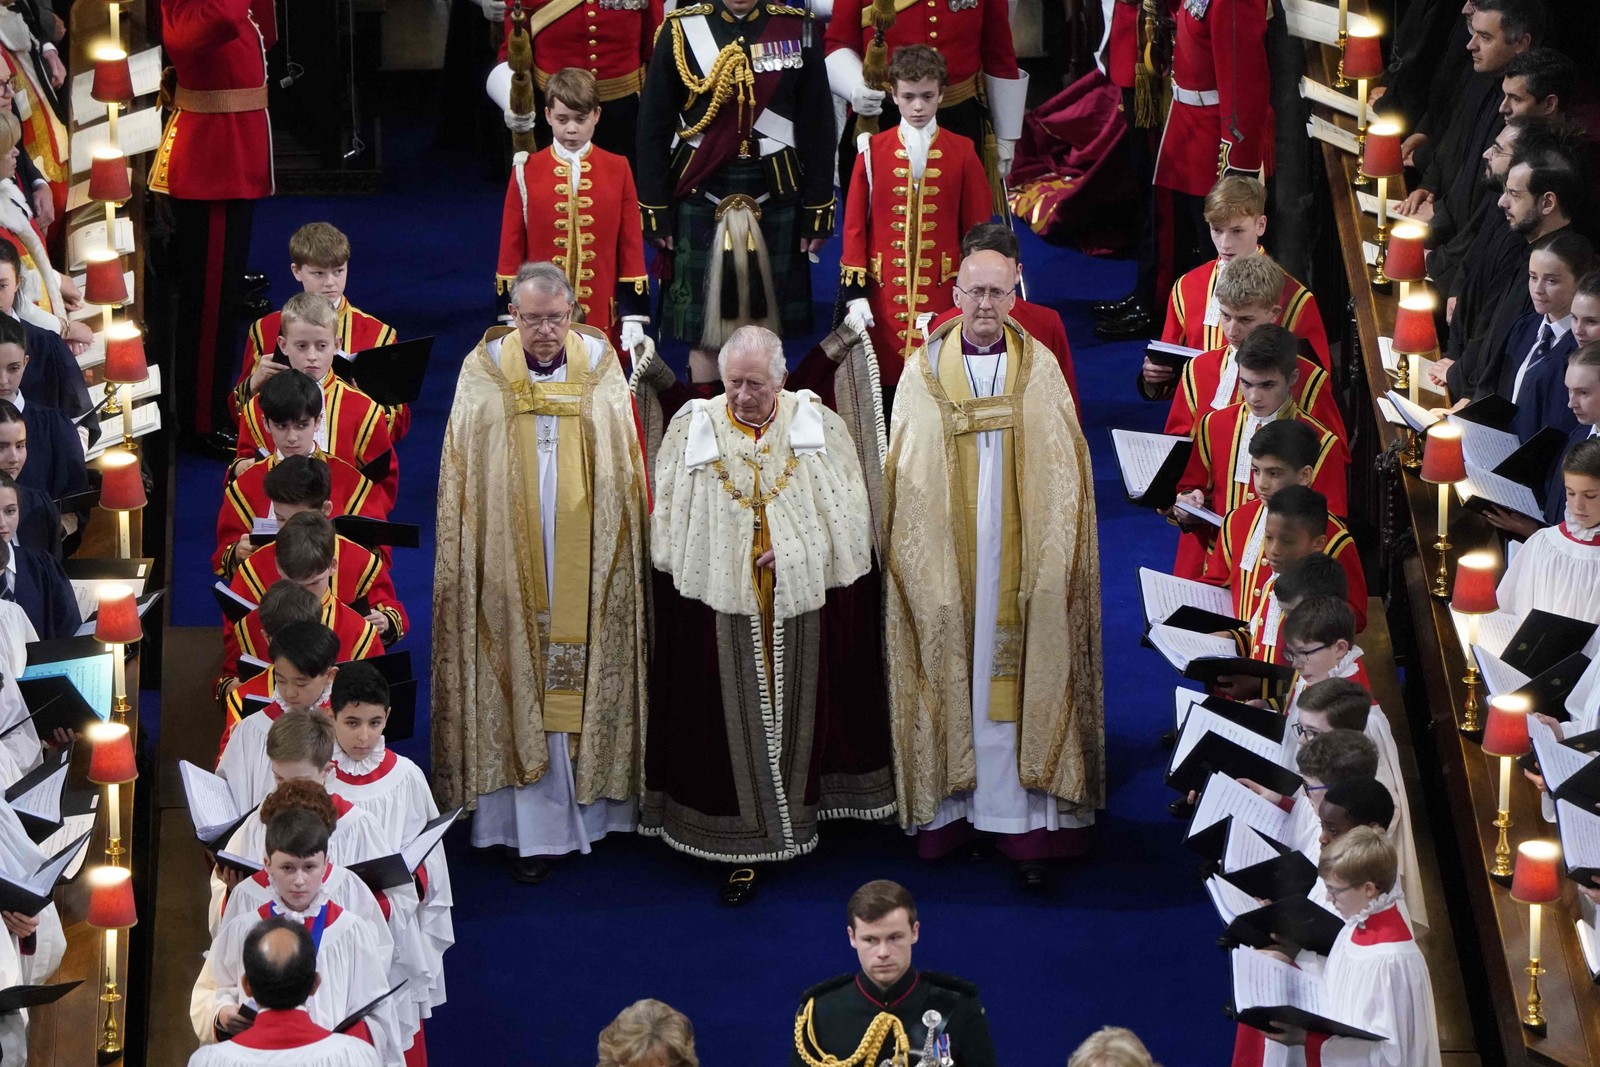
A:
(33, 579)
(1311, 574)
(1323, 761)
(360, 577)
(299, 476)
(282, 603)
(1558, 568)
(310, 568)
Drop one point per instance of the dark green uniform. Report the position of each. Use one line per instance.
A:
(843, 1008)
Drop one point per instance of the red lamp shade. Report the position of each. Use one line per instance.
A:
(1442, 460)
(1363, 55)
(113, 80)
(108, 177)
(125, 362)
(103, 282)
(111, 898)
(1537, 878)
(1406, 260)
(111, 755)
(1414, 334)
(121, 483)
(1381, 156)
(117, 622)
(1506, 733)
(1474, 592)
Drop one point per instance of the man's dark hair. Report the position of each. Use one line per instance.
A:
(1302, 506)
(991, 237)
(1518, 18)
(1338, 756)
(1346, 704)
(1548, 73)
(303, 481)
(1319, 620)
(9, 254)
(1571, 248)
(876, 899)
(290, 396)
(1313, 575)
(1269, 347)
(1556, 162)
(1365, 800)
(296, 832)
(309, 647)
(359, 683)
(12, 333)
(1289, 440)
(287, 984)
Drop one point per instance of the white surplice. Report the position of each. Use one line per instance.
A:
(334, 1050)
(19, 854)
(1378, 979)
(1557, 570)
(545, 818)
(998, 804)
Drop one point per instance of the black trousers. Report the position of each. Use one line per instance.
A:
(1142, 165)
(210, 244)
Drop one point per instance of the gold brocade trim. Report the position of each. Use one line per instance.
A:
(730, 77)
(959, 93)
(852, 275)
(611, 89)
(759, 500)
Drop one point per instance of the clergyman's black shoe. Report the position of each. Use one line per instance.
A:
(740, 887)
(1110, 309)
(1135, 324)
(1034, 875)
(531, 870)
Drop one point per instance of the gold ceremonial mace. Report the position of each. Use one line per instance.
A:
(875, 64)
(519, 57)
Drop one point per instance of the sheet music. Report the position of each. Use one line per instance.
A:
(1184, 699)
(244, 602)
(1369, 202)
(418, 848)
(1498, 489)
(1344, 140)
(1591, 950)
(87, 590)
(211, 804)
(1329, 97)
(1165, 593)
(146, 420)
(1580, 835)
(1417, 417)
(138, 132)
(1262, 981)
(1311, 21)
(92, 238)
(1245, 848)
(150, 387)
(1183, 647)
(1183, 351)
(72, 827)
(95, 354)
(145, 67)
(1369, 253)
(1223, 798)
(1496, 630)
(1499, 677)
(90, 674)
(265, 526)
(43, 801)
(1229, 900)
(1140, 456)
(43, 881)
(1557, 762)
(1202, 721)
(1484, 445)
(1201, 513)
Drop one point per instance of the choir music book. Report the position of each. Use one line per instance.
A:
(1416, 417)
(1224, 800)
(1268, 722)
(1547, 693)
(234, 607)
(1320, 129)
(1580, 842)
(387, 872)
(1296, 921)
(1313, 21)
(377, 468)
(89, 576)
(1151, 464)
(137, 132)
(211, 806)
(1589, 942)
(146, 420)
(1268, 991)
(1483, 489)
(390, 374)
(29, 892)
(1209, 744)
(19, 997)
(1170, 355)
(1543, 639)
(79, 810)
(1264, 868)
(1188, 605)
(1490, 410)
(1331, 98)
(362, 1012)
(377, 533)
(54, 703)
(1206, 657)
(36, 796)
(1569, 775)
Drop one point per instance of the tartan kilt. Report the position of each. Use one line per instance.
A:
(684, 297)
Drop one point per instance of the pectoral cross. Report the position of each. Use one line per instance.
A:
(549, 435)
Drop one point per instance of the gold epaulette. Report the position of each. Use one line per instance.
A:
(693, 9)
(785, 9)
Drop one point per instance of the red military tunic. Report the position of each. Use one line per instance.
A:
(357, 332)
(1190, 302)
(245, 500)
(358, 574)
(1044, 326)
(1221, 114)
(218, 147)
(902, 238)
(1218, 442)
(973, 40)
(1197, 389)
(358, 639)
(549, 217)
(611, 39)
(1122, 43)
(1237, 562)
(357, 430)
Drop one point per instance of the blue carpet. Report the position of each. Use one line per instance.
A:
(1128, 937)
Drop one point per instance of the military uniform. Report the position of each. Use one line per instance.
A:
(736, 114)
(835, 1016)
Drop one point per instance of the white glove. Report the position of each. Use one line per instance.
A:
(1005, 149)
(632, 334)
(494, 10)
(858, 315)
(519, 123)
(864, 101)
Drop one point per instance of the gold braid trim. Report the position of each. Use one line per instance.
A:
(730, 73)
(805, 1039)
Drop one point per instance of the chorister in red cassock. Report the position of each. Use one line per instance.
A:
(902, 237)
(359, 574)
(357, 332)
(245, 500)
(355, 429)
(589, 228)
(358, 638)
(1190, 320)
(1201, 381)
(1221, 116)
(1236, 560)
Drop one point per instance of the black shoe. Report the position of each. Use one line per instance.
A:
(1111, 309)
(1034, 875)
(531, 870)
(740, 887)
(1135, 324)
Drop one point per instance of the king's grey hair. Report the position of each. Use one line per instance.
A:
(546, 278)
(755, 339)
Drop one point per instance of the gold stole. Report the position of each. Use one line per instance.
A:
(973, 416)
(563, 610)
(764, 579)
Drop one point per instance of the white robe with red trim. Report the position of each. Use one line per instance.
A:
(1556, 570)
(286, 1039)
(1378, 979)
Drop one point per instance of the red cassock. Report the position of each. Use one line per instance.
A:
(1190, 301)
(1217, 443)
(590, 229)
(357, 430)
(1221, 115)
(1198, 388)
(245, 500)
(616, 36)
(1044, 326)
(357, 637)
(974, 40)
(357, 331)
(358, 575)
(902, 238)
(218, 142)
(1226, 564)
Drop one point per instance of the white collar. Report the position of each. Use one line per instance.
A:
(1346, 667)
(311, 910)
(1586, 534)
(11, 558)
(573, 159)
(1381, 902)
(365, 766)
(17, 401)
(909, 133)
(1559, 328)
(320, 702)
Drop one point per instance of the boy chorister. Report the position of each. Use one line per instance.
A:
(312, 570)
(1218, 472)
(31, 946)
(1312, 574)
(319, 259)
(353, 427)
(360, 578)
(915, 190)
(1558, 568)
(286, 483)
(575, 205)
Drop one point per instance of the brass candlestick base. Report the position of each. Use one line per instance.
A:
(1533, 1016)
(1411, 458)
(1339, 80)
(1378, 276)
(1500, 870)
(115, 851)
(1470, 722)
(120, 708)
(1360, 181)
(110, 1037)
(1441, 577)
(1402, 373)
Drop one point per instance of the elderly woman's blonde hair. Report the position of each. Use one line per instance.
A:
(648, 1032)
(1112, 1046)
(10, 132)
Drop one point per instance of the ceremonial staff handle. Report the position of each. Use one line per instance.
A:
(519, 57)
(875, 64)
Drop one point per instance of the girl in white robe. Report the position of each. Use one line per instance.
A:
(1558, 567)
